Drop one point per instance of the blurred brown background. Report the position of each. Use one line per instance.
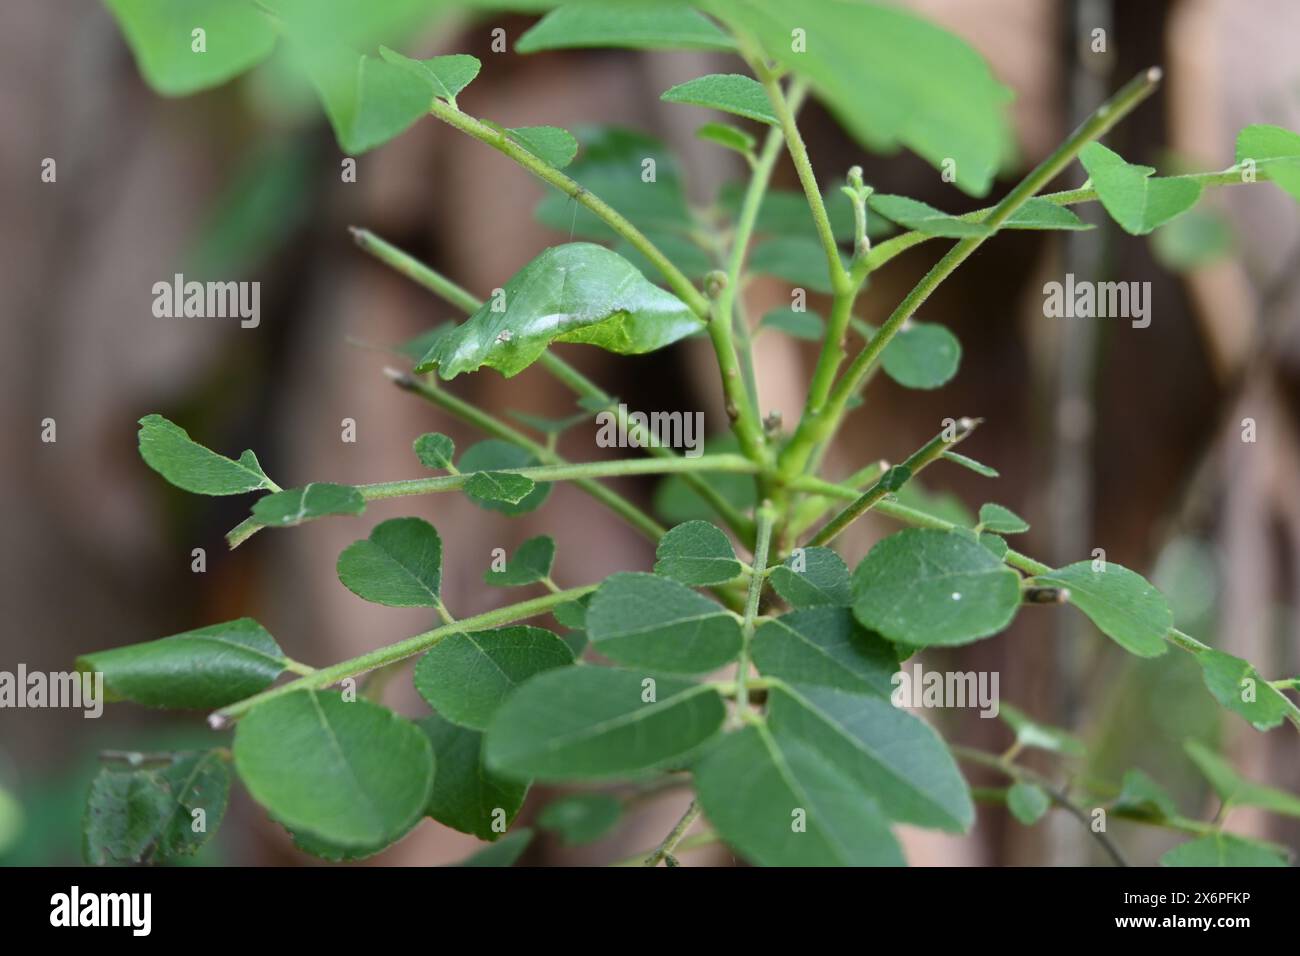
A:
(1106, 436)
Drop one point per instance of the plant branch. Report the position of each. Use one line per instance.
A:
(565, 373)
(409, 647)
(569, 471)
(1059, 796)
(822, 423)
(893, 479)
(494, 426)
(757, 578)
(670, 842)
(498, 140)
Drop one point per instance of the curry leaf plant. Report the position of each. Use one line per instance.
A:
(742, 659)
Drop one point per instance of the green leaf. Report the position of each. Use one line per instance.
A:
(1030, 733)
(198, 670)
(917, 215)
(630, 24)
(1124, 605)
(997, 546)
(614, 165)
(399, 565)
(927, 588)
(1189, 242)
(1039, 213)
(890, 78)
(168, 449)
(697, 553)
(796, 259)
(1237, 686)
(236, 37)
(493, 455)
(808, 326)
(577, 292)
(293, 506)
(729, 92)
(435, 450)
(530, 564)
(446, 76)
(467, 796)
(573, 613)
(822, 578)
(825, 647)
(149, 814)
(1135, 199)
(334, 853)
(1001, 520)
(552, 145)
(1142, 797)
(726, 135)
(778, 802)
(581, 817)
(894, 757)
(1277, 150)
(351, 773)
(646, 621)
(549, 426)
(1235, 789)
(1028, 802)
(368, 100)
(124, 815)
(498, 487)
(505, 852)
(922, 355)
(466, 676)
(596, 722)
(1224, 849)
(971, 464)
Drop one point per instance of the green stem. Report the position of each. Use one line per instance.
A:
(893, 479)
(566, 472)
(892, 247)
(498, 140)
(757, 578)
(492, 425)
(1059, 797)
(675, 836)
(383, 656)
(821, 424)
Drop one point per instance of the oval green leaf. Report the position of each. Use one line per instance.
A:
(399, 565)
(351, 773)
